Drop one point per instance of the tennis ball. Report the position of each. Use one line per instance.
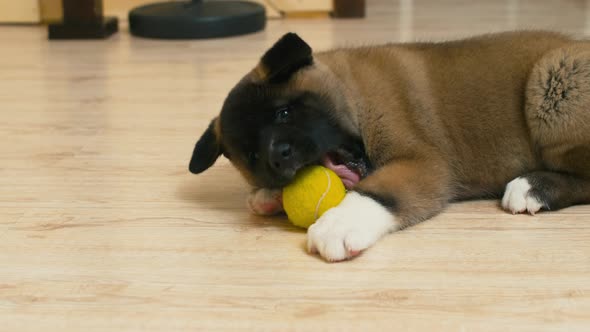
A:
(314, 190)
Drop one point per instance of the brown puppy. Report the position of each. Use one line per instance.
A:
(412, 127)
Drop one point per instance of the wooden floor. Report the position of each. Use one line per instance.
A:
(102, 228)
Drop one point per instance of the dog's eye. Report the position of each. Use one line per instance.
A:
(283, 114)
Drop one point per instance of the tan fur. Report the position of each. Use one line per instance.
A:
(217, 127)
(557, 109)
(446, 121)
(460, 119)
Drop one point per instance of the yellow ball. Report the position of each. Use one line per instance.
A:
(314, 191)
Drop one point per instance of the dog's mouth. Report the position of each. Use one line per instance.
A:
(350, 170)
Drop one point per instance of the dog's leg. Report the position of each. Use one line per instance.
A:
(391, 198)
(346, 230)
(545, 190)
(265, 202)
(558, 117)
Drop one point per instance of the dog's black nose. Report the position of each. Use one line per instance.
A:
(281, 158)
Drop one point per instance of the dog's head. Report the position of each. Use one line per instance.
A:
(287, 113)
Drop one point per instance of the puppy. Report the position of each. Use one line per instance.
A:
(410, 128)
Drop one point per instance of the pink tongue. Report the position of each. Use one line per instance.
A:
(348, 176)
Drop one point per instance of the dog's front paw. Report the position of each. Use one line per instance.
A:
(517, 197)
(346, 230)
(265, 201)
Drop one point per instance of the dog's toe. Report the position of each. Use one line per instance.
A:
(518, 199)
(345, 231)
(265, 201)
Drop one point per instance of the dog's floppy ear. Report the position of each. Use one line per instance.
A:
(207, 149)
(287, 55)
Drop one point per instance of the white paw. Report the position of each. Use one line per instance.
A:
(346, 230)
(265, 201)
(517, 198)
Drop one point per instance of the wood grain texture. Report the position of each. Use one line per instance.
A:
(102, 228)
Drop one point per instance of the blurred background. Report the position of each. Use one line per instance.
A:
(404, 19)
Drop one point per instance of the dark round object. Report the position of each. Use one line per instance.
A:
(196, 19)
